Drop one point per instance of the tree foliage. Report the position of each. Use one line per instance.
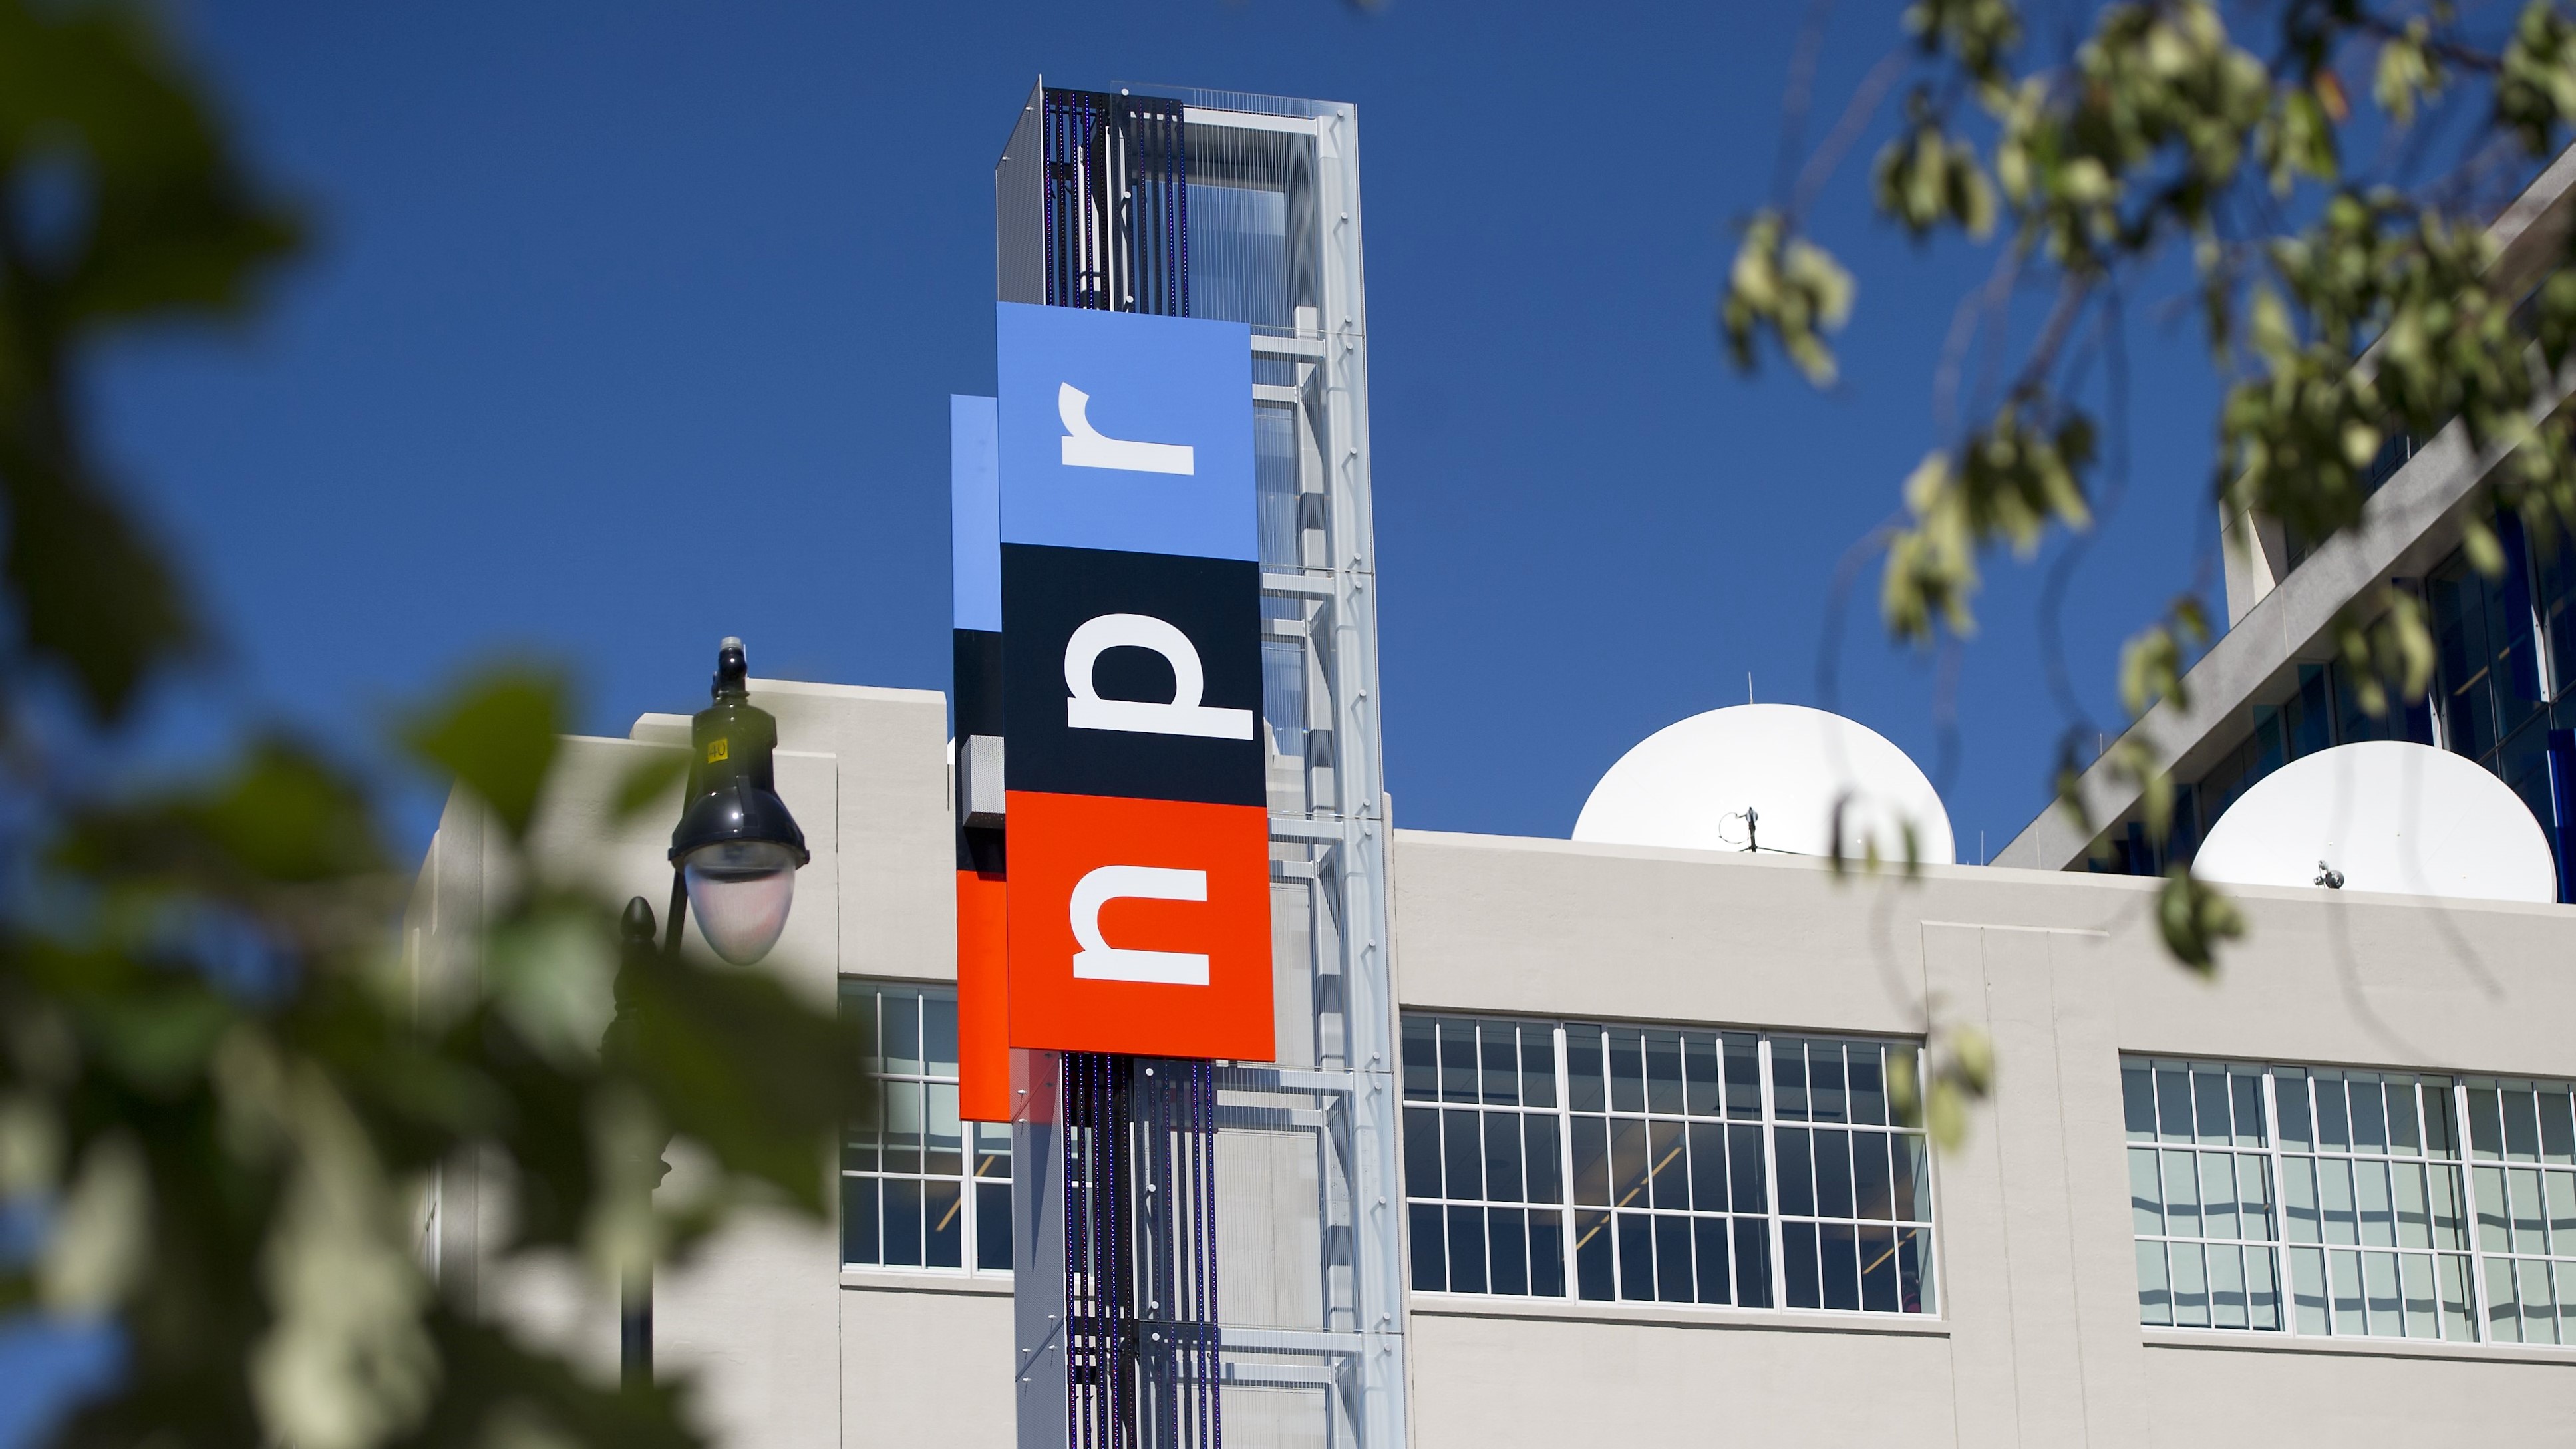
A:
(2343, 302)
(222, 1087)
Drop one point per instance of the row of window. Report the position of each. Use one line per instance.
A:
(1762, 1170)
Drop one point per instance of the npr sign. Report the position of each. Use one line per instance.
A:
(1137, 825)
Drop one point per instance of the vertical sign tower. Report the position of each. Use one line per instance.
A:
(1172, 826)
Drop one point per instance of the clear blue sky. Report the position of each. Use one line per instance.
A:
(629, 326)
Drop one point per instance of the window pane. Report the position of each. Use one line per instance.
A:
(2190, 1285)
(1664, 1073)
(902, 1025)
(1673, 1258)
(2371, 1197)
(2504, 1311)
(1591, 1161)
(1627, 1071)
(2379, 1292)
(1547, 1255)
(2254, 1196)
(1538, 1066)
(859, 1006)
(1628, 1162)
(2439, 1138)
(1706, 1092)
(1833, 1173)
(1838, 1252)
(2494, 1235)
(2369, 1117)
(939, 1034)
(2262, 1293)
(1510, 1232)
(2343, 1291)
(2299, 1196)
(1421, 1060)
(1671, 1169)
(2402, 1136)
(1422, 1151)
(1463, 1155)
(2182, 1194)
(2308, 1289)
(1466, 1250)
(1594, 1276)
(1744, 1169)
(1789, 1080)
(2458, 1323)
(2521, 1127)
(1708, 1165)
(1873, 1195)
(2138, 1102)
(1797, 1180)
(1743, 1077)
(1825, 1094)
(1501, 1054)
(1429, 1247)
(1715, 1278)
(2209, 1096)
(1636, 1257)
(903, 1221)
(1878, 1270)
(1914, 1270)
(1868, 1083)
(944, 1205)
(2486, 1128)
(2539, 1304)
(859, 1220)
(2218, 1194)
(2557, 1128)
(2334, 1124)
(1752, 1263)
(1798, 1264)
(2155, 1290)
(2290, 1100)
(1913, 1177)
(2226, 1286)
(2334, 1200)
(1457, 1061)
(2416, 1273)
(2247, 1088)
(1503, 1157)
(1583, 1069)
(903, 1126)
(2414, 1216)
(2450, 1224)
(993, 1226)
(946, 1135)
(2146, 1200)
(2559, 1204)
(1538, 1135)
(2173, 1103)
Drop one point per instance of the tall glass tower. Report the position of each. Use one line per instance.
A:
(1215, 1256)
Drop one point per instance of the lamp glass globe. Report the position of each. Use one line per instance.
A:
(740, 892)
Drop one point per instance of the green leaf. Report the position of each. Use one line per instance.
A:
(497, 737)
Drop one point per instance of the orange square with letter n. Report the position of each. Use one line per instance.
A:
(1140, 926)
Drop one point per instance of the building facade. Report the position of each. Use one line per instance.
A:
(1652, 1168)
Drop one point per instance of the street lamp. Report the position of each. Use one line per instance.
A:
(734, 857)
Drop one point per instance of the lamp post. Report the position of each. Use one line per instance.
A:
(734, 857)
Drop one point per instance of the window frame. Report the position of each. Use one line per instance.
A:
(870, 1065)
(1766, 1124)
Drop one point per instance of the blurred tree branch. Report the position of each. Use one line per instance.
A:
(218, 1092)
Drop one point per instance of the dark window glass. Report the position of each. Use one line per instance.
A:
(1594, 1274)
(1464, 1156)
(1833, 1173)
(1708, 1165)
(1510, 1250)
(1467, 1250)
(1547, 1255)
(1744, 1168)
(1914, 1272)
(1627, 1072)
(2248, 1091)
(1789, 1079)
(1878, 1270)
(1583, 1069)
(1743, 1077)
(1709, 1237)
(2290, 1099)
(1797, 1183)
(1873, 1194)
(1706, 1096)
(1825, 1082)
(2138, 1101)
(1503, 1156)
(1798, 1265)
(1672, 1258)
(2209, 1092)
(939, 1034)
(2173, 1103)
(1502, 1065)
(1430, 1249)
(1868, 1092)
(1837, 1253)
(1422, 1151)
(1637, 1257)
(1752, 1263)
(993, 1226)
(1664, 1073)
(1671, 1169)
(903, 1221)
(1538, 1066)
(1538, 1135)
(858, 1220)
(1421, 1060)
(1457, 1061)
(1591, 1161)
(945, 1207)
(1628, 1161)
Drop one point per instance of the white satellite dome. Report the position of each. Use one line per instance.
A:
(2388, 816)
(1693, 784)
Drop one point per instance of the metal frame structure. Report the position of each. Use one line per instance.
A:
(1308, 1216)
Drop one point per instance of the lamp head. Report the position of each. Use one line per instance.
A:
(737, 846)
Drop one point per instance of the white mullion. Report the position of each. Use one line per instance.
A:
(1779, 1273)
(2282, 1275)
(2479, 1322)
(1565, 1172)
